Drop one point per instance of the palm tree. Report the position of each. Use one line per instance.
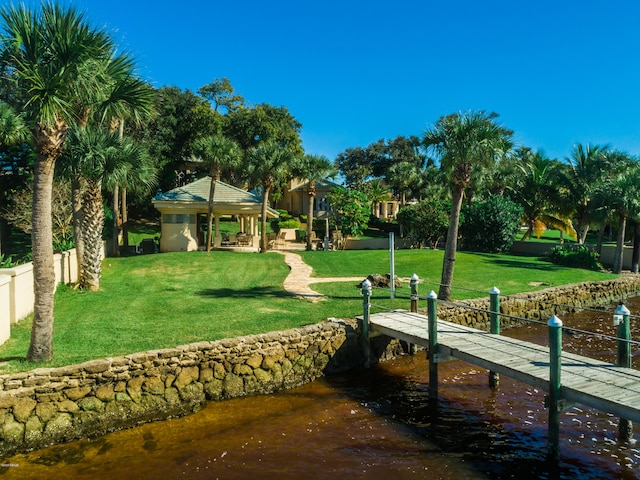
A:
(217, 152)
(534, 188)
(585, 170)
(464, 143)
(404, 177)
(619, 192)
(47, 58)
(313, 168)
(377, 193)
(269, 164)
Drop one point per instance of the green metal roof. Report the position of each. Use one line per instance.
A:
(198, 191)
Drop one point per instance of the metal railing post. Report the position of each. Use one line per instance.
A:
(494, 321)
(555, 357)
(622, 318)
(433, 345)
(366, 309)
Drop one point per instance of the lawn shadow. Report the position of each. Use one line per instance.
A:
(258, 292)
(547, 266)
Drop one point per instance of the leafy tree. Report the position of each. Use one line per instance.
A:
(13, 131)
(221, 94)
(403, 177)
(18, 212)
(48, 62)
(425, 222)
(217, 152)
(464, 144)
(491, 225)
(356, 167)
(268, 164)
(313, 168)
(251, 126)
(350, 209)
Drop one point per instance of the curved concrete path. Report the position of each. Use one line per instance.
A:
(299, 278)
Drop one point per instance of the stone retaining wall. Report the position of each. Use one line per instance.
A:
(53, 405)
(542, 304)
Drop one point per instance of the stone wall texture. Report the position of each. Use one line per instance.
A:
(53, 405)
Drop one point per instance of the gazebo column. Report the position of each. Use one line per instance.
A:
(217, 238)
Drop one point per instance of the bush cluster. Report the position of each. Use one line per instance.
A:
(490, 225)
(578, 256)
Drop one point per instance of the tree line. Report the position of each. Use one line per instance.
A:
(78, 125)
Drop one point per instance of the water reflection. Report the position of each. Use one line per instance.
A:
(376, 424)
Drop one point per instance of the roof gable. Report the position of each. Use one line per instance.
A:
(198, 191)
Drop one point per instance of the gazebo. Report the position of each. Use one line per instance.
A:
(184, 215)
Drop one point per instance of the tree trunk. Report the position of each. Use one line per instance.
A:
(635, 259)
(603, 226)
(44, 279)
(618, 259)
(92, 225)
(583, 234)
(451, 245)
(125, 220)
(115, 241)
(212, 191)
(78, 214)
(263, 222)
(312, 194)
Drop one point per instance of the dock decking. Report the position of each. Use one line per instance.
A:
(604, 386)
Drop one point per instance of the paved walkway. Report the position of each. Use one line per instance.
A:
(299, 278)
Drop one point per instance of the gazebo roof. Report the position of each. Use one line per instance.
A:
(227, 198)
(198, 191)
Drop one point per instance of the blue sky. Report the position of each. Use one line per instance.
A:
(352, 72)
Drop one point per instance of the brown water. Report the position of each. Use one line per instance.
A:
(375, 424)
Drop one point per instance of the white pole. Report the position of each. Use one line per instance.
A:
(392, 285)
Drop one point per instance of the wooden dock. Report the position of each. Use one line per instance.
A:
(585, 381)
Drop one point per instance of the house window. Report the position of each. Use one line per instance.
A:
(178, 218)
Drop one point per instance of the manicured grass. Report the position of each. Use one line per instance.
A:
(474, 275)
(160, 301)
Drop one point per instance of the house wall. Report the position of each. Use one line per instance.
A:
(179, 231)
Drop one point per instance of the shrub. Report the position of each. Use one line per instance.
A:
(291, 223)
(303, 218)
(425, 222)
(490, 225)
(577, 256)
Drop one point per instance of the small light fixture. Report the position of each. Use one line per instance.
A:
(618, 316)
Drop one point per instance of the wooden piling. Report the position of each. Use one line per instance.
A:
(433, 345)
(494, 319)
(622, 315)
(366, 310)
(555, 357)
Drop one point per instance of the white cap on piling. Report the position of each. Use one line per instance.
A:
(495, 291)
(432, 294)
(554, 322)
(622, 310)
(414, 277)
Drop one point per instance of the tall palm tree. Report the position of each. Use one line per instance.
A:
(313, 168)
(269, 164)
(46, 57)
(619, 193)
(586, 167)
(534, 188)
(377, 193)
(464, 143)
(217, 152)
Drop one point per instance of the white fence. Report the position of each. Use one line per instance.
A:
(16, 289)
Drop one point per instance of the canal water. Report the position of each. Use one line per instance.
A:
(374, 424)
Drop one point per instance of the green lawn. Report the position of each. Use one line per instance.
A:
(160, 301)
